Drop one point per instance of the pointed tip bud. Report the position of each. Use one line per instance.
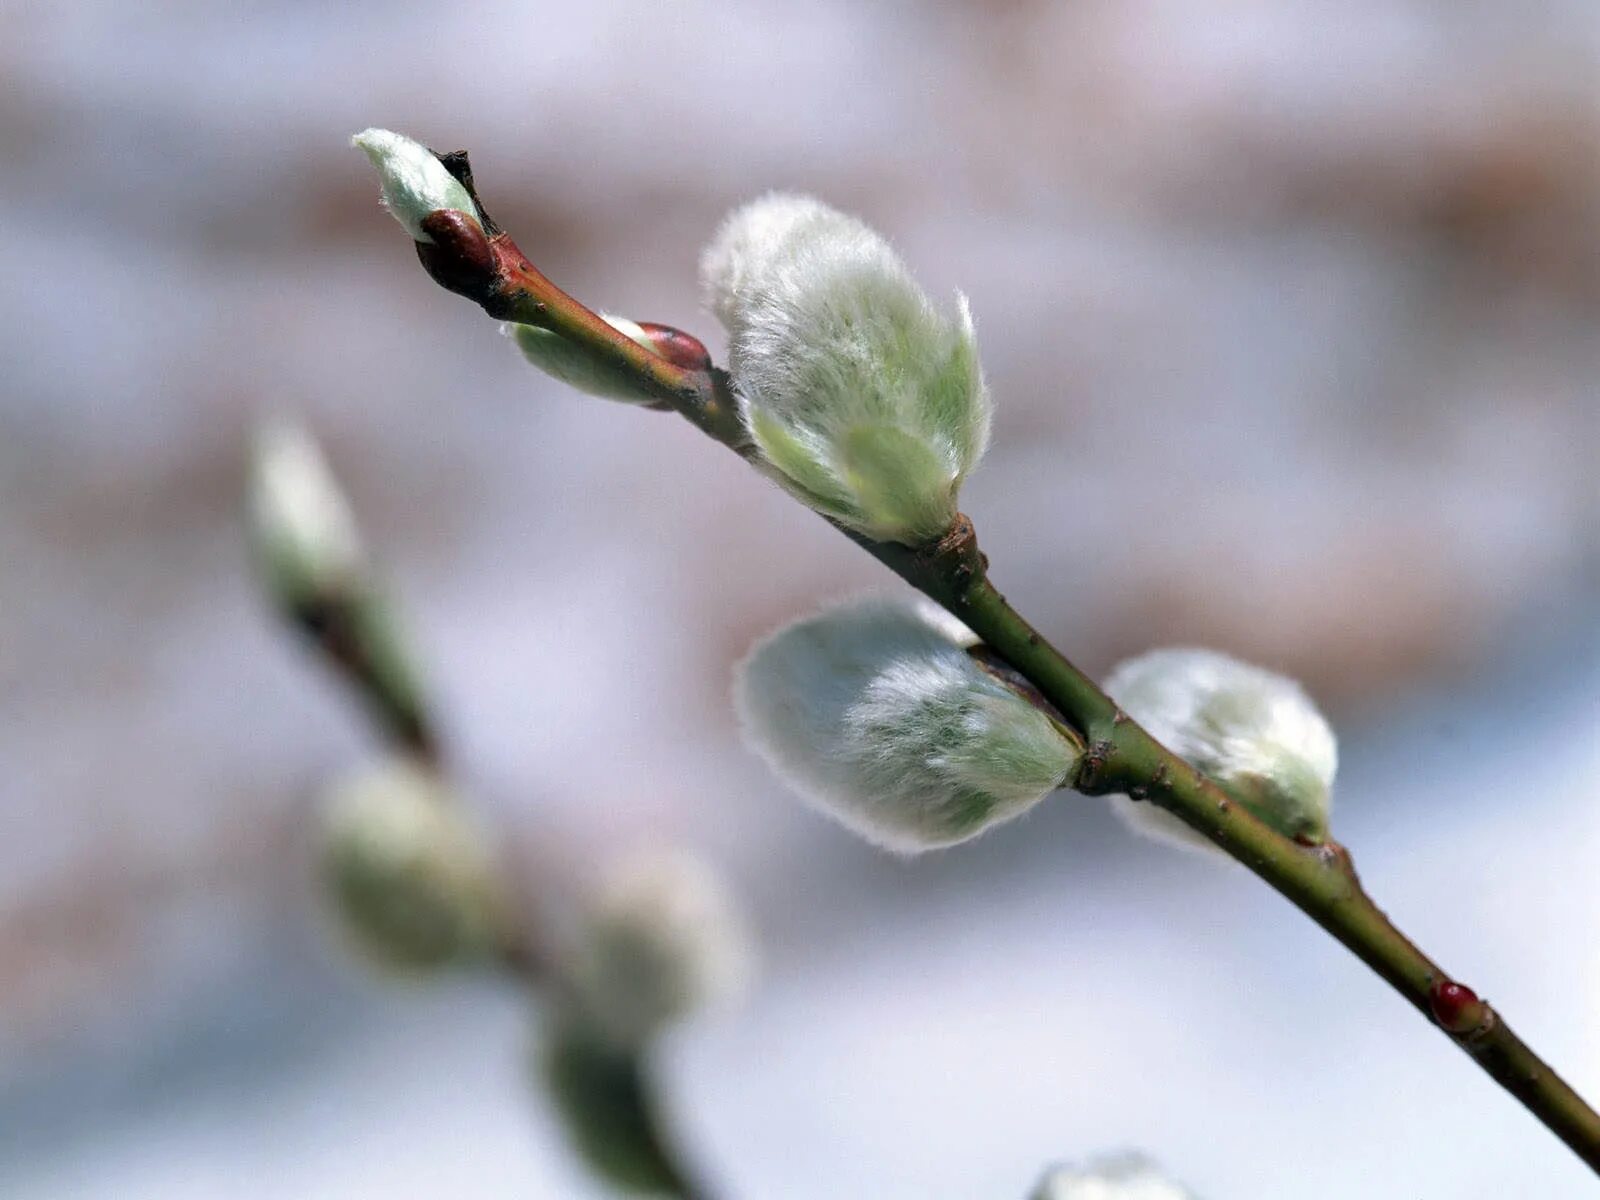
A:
(410, 878)
(1255, 733)
(300, 524)
(880, 718)
(661, 938)
(1127, 1177)
(415, 183)
(308, 551)
(866, 401)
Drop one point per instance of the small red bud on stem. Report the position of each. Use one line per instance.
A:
(1456, 1007)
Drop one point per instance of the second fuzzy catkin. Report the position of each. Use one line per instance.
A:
(865, 400)
(876, 713)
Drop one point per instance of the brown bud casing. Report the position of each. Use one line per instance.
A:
(460, 258)
(676, 346)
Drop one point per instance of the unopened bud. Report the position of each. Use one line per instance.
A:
(300, 525)
(875, 713)
(580, 367)
(1255, 734)
(415, 183)
(865, 400)
(411, 880)
(660, 938)
(677, 347)
(1456, 1007)
(1127, 1177)
(305, 540)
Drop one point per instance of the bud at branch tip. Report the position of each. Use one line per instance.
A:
(415, 183)
(300, 525)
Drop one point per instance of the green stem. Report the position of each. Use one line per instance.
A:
(1120, 757)
(1320, 880)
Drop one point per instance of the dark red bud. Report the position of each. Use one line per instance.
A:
(676, 346)
(1456, 1007)
(459, 258)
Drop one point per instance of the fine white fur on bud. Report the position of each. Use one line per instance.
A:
(1256, 734)
(1131, 1177)
(660, 938)
(876, 714)
(865, 400)
(415, 182)
(300, 525)
(578, 367)
(411, 880)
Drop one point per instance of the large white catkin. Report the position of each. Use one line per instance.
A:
(1252, 731)
(865, 400)
(742, 256)
(875, 713)
(415, 183)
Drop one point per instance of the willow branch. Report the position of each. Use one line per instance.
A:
(1121, 757)
(604, 1093)
(355, 634)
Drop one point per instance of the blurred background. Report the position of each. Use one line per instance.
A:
(1292, 312)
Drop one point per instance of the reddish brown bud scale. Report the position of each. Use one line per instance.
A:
(460, 258)
(1456, 1007)
(677, 347)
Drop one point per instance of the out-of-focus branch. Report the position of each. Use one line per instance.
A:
(413, 881)
(314, 567)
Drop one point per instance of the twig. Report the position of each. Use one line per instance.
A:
(487, 267)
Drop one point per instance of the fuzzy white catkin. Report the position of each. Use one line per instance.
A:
(1256, 733)
(576, 366)
(415, 183)
(300, 524)
(865, 400)
(874, 712)
(412, 881)
(1132, 1177)
(660, 938)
